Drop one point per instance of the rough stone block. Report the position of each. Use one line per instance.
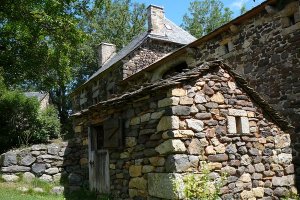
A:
(135, 170)
(161, 185)
(186, 100)
(135, 121)
(282, 141)
(195, 124)
(237, 113)
(200, 98)
(218, 158)
(171, 101)
(231, 125)
(8, 159)
(145, 117)
(283, 181)
(243, 126)
(27, 160)
(10, 178)
(178, 134)
(138, 183)
(157, 161)
(167, 123)
(258, 192)
(218, 98)
(177, 163)
(15, 168)
(171, 146)
(180, 110)
(177, 92)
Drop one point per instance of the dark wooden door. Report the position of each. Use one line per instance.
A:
(98, 161)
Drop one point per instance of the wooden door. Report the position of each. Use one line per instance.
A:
(98, 161)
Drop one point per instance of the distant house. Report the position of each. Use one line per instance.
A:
(42, 97)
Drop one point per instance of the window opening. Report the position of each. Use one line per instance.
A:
(292, 20)
(226, 48)
(238, 121)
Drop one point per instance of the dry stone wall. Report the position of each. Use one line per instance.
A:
(265, 49)
(53, 162)
(170, 133)
(215, 122)
(106, 86)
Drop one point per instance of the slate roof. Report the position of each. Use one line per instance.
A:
(173, 33)
(39, 95)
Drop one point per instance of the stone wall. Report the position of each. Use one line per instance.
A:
(150, 52)
(55, 162)
(106, 86)
(170, 133)
(215, 122)
(265, 50)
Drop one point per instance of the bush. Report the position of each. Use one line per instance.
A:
(201, 186)
(49, 125)
(18, 118)
(22, 122)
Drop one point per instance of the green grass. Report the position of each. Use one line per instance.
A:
(9, 192)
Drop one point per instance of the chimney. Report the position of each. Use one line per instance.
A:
(105, 52)
(156, 16)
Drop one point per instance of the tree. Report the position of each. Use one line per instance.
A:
(205, 16)
(49, 45)
(243, 9)
(39, 41)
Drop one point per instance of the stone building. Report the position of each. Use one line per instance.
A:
(151, 114)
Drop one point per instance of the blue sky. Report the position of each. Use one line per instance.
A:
(175, 9)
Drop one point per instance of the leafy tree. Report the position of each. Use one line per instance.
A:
(39, 41)
(205, 16)
(243, 9)
(49, 45)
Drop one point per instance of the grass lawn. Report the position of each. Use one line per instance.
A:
(8, 192)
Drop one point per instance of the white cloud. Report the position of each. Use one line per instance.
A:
(237, 4)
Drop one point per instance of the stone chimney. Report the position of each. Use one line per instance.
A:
(105, 52)
(156, 16)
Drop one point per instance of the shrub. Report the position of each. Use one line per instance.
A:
(49, 125)
(22, 122)
(201, 186)
(18, 117)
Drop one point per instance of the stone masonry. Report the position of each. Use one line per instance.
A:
(53, 162)
(172, 132)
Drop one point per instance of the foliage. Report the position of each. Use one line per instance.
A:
(49, 126)
(205, 16)
(243, 9)
(49, 45)
(201, 186)
(23, 122)
(20, 116)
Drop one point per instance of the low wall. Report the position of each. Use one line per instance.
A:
(53, 162)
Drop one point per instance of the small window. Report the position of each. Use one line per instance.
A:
(238, 121)
(292, 20)
(238, 125)
(226, 48)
